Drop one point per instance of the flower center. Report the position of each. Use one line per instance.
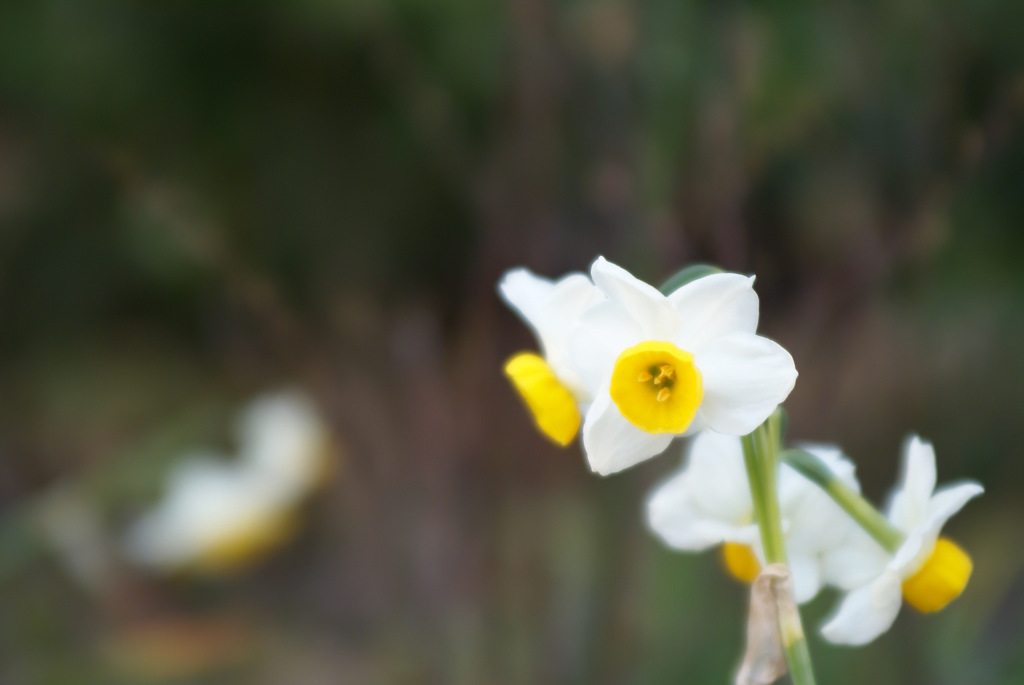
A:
(551, 403)
(657, 387)
(740, 562)
(941, 580)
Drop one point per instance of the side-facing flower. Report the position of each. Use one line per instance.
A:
(216, 517)
(549, 384)
(926, 570)
(659, 366)
(708, 503)
(217, 514)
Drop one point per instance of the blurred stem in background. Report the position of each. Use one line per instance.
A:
(760, 454)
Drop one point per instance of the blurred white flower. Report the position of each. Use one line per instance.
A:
(284, 436)
(218, 514)
(549, 384)
(215, 516)
(708, 503)
(659, 366)
(927, 571)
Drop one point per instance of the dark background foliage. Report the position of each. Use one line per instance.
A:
(203, 201)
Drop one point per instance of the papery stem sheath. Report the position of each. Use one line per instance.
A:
(760, 454)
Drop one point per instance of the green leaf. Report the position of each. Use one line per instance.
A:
(686, 275)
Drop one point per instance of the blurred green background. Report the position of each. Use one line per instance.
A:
(203, 201)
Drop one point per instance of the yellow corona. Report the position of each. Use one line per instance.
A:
(941, 580)
(236, 548)
(551, 403)
(740, 562)
(657, 387)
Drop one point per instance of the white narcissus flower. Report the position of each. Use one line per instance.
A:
(284, 436)
(659, 366)
(217, 515)
(926, 570)
(549, 384)
(708, 503)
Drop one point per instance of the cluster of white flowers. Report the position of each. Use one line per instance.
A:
(708, 503)
(643, 367)
(218, 514)
(638, 368)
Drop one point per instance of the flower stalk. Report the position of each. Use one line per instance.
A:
(862, 511)
(760, 454)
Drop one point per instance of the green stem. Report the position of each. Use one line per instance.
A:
(862, 511)
(760, 453)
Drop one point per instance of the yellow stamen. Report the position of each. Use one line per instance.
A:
(657, 387)
(552, 405)
(740, 562)
(941, 580)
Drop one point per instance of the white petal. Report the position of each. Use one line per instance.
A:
(714, 306)
(612, 443)
(947, 501)
(198, 469)
(599, 337)
(718, 477)
(527, 293)
(854, 561)
(651, 310)
(745, 378)
(865, 613)
(921, 539)
(550, 308)
(675, 516)
(816, 522)
(749, 535)
(806, 576)
(569, 299)
(283, 435)
(910, 501)
(912, 554)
